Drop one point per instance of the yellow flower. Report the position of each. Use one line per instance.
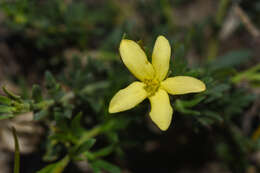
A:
(153, 84)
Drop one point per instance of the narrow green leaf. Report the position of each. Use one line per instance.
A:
(104, 151)
(205, 121)
(90, 88)
(76, 127)
(124, 36)
(57, 167)
(213, 115)
(89, 155)
(85, 146)
(106, 166)
(11, 95)
(179, 106)
(76, 122)
(5, 100)
(191, 103)
(17, 153)
(52, 153)
(250, 74)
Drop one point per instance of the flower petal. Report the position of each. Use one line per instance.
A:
(161, 110)
(161, 57)
(128, 97)
(183, 85)
(135, 60)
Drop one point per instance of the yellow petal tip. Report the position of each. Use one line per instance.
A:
(162, 37)
(123, 43)
(111, 110)
(203, 88)
(163, 128)
(161, 110)
(135, 60)
(164, 125)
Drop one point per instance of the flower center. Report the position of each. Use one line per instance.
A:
(151, 86)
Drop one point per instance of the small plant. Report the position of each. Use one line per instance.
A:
(63, 59)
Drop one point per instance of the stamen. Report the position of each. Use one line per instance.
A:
(151, 86)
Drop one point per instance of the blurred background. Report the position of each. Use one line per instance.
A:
(77, 42)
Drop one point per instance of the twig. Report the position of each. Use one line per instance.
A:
(252, 29)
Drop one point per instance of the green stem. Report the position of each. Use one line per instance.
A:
(17, 153)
